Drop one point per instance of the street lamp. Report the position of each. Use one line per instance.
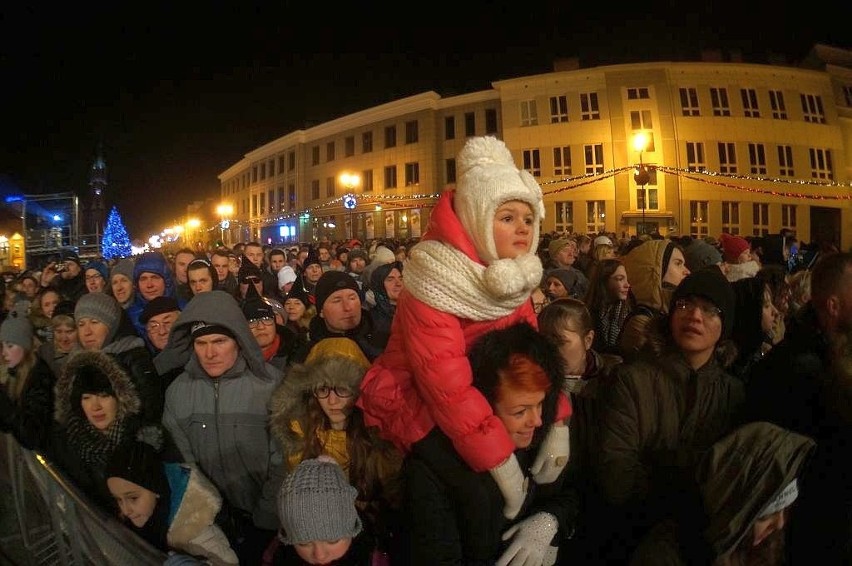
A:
(193, 224)
(224, 211)
(641, 176)
(351, 181)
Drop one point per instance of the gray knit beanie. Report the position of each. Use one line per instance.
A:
(17, 329)
(102, 307)
(123, 267)
(316, 503)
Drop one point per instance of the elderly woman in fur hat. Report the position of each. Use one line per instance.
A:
(472, 272)
(314, 413)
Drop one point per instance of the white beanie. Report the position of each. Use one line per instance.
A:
(383, 255)
(286, 275)
(487, 178)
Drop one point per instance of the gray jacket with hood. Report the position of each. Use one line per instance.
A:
(222, 424)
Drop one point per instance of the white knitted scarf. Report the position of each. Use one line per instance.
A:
(447, 280)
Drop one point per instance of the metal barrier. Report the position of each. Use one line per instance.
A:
(56, 522)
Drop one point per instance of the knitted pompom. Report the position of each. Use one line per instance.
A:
(507, 278)
(483, 151)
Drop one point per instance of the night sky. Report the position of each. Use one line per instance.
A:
(178, 94)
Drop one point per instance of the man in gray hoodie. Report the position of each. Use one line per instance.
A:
(217, 412)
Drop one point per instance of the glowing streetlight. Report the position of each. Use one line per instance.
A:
(351, 181)
(224, 211)
(641, 176)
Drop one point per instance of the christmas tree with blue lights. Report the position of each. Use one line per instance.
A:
(116, 242)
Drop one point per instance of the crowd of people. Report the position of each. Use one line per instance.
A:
(484, 395)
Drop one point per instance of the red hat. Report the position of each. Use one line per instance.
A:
(732, 247)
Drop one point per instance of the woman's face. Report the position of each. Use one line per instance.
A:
(573, 348)
(617, 284)
(92, 333)
(13, 354)
(122, 288)
(135, 502)
(676, 271)
(393, 285)
(768, 314)
(295, 309)
(100, 409)
(49, 300)
(336, 408)
(520, 413)
(95, 282)
(513, 229)
(64, 337)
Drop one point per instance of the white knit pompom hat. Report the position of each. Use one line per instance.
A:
(487, 178)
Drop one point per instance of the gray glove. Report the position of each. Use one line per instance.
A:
(513, 485)
(552, 455)
(530, 542)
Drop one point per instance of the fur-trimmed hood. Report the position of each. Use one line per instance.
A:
(290, 401)
(125, 391)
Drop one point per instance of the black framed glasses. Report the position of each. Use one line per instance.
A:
(690, 304)
(258, 322)
(323, 391)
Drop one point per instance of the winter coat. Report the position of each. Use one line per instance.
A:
(131, 353)
(657, 421)
(738, 477)
(29, 419)
(784, 388)
(363, 334)
(221, 424)
(68, 450)
(644, 266)
(454, 515)
(423, 378)
(193, 508)
(291, 419)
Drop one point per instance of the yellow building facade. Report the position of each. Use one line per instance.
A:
(728, 146)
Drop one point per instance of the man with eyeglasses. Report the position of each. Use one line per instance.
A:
(158, 317)
(216, 411)
(662, 413)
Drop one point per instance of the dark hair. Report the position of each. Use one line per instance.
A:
(184, 251)
(827, 276)
(553, 317)
(598, 295)
(203, 264)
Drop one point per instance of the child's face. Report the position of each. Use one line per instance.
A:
(134, 501)
(323, 551)
(513, 229)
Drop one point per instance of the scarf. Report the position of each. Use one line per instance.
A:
(270, 351)
(611, 320)
(93, 446)
(449, 281)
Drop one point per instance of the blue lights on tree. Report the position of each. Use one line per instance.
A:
(116, 242)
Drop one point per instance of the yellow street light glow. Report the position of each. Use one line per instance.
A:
(350, 180)
(193, 222)
(224, 209)
(640, 141)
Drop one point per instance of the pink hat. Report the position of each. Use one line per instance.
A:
(732, 247)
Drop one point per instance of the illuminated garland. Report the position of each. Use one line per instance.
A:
(385, 200)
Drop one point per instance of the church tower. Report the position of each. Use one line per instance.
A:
(98, 183)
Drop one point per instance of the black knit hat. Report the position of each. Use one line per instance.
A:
(330, 282)
(139, 461)
(710, 284)
(310, 259)
(157, 306)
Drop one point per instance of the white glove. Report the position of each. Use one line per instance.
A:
(513, 485)
(552, 455)
(530, 541)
